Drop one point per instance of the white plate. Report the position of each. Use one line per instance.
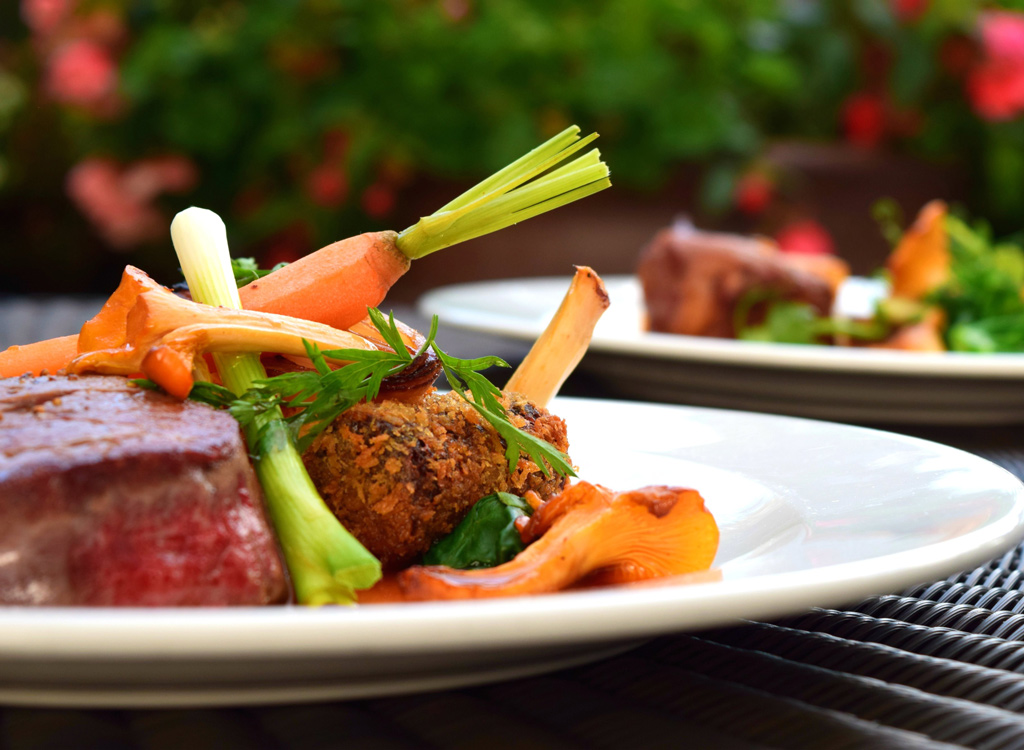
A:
(811, 514)
(815, 381)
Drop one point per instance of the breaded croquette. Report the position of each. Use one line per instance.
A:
(399, 475)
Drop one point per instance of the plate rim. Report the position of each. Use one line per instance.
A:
(747, 354)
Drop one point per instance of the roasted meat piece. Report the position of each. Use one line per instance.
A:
(693, 281)
(114, 495)
(402, 475)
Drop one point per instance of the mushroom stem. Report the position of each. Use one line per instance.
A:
(563, 343)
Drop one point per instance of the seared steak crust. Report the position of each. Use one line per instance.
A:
(401, 475)
(115, 495)
(694, 281)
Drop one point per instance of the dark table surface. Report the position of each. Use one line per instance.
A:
(938, 665)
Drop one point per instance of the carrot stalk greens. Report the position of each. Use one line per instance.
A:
(525, 188)
(327, 564)
(335, 284)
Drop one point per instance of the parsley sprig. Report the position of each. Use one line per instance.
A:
(246, 270)
(317, 397)
(463, 375)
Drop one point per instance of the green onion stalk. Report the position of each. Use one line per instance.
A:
(327, 564)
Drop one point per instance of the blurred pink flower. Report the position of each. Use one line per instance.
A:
(81, 72)
(94, 182)
(805, 236)
(179, 173)
(327, 186)
(863, 119)
(1002, 35)
(995, 86)
(148, 178)
(118, 201)
(44, 16)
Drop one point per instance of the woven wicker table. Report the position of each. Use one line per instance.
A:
(940, 665)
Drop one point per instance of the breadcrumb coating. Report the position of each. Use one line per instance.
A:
(399, 475)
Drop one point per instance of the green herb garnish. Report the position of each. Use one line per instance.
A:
(246, 270)
(318, 397)
(463, 375)
(788, 322)
(982, 299)
(486, 537)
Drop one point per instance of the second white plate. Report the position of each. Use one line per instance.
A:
(865, 385)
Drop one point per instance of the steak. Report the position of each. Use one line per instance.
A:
(113, 495)
(694, 281)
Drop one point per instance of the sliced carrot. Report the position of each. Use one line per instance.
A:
(49, 356)
(335, 284)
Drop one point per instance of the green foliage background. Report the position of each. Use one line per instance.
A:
(453, 90)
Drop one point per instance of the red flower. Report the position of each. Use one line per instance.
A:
(863, 119)
(909, 11)
(82, 73)
(378, 200)
(44, 16)
(996, 90)
(995, 86)
(805, 236)
(327, 186)
(754, 192)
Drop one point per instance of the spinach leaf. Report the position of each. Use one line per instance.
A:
(486, 537)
